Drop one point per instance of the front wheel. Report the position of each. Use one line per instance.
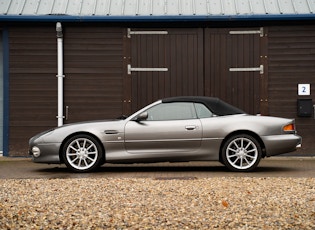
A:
(241, 153)
(82, 153)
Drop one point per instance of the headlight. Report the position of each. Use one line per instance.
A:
(36, 151)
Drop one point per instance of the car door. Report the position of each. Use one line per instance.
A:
(170, 130)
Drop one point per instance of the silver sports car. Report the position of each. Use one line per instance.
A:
(173, 129)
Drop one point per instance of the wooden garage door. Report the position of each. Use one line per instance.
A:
(177, 50)
(233, 67)
(93, 73)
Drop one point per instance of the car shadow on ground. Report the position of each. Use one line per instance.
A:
(176, 172)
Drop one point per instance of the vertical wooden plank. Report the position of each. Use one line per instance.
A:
(127, 85)
(264, 101)
(200, 63)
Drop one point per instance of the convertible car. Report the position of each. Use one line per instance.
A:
(177, 129)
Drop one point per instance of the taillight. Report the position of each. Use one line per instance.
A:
(288, 128)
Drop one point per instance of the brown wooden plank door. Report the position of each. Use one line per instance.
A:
(176, 57)
(233, 67)
(32, 86)
(93, 83)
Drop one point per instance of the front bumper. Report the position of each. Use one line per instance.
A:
(49, 153)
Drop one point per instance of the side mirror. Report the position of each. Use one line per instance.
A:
(142, 117)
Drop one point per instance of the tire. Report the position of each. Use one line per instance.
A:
(82, 153)
(241, 153)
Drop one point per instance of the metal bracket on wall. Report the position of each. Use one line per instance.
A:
(129, 32)
(130, 69)
(260, 32)
(260, 69)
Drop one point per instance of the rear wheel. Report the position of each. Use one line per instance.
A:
(82, 153)
(241, 153)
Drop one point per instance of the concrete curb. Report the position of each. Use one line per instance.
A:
(3, 158)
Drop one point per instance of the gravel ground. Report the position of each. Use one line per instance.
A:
(182, 203)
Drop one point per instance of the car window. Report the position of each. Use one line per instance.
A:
(172, 111)
(203, 111)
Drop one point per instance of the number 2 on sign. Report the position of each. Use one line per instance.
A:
(304, 89)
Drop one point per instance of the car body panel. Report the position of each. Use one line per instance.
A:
(195, 139)
(163, 136)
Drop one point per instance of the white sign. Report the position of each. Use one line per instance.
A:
(304, 89)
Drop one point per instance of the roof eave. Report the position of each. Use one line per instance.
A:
(153, 18)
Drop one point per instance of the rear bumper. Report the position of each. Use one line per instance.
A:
(280, 144)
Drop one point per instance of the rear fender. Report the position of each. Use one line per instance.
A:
(254, 135)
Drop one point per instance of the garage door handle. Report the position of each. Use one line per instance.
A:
(190, 127)
(67, 112)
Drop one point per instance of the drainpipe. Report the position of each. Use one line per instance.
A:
(60, 75)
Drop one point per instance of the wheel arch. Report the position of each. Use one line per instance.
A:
(248, 132)
(81, 133)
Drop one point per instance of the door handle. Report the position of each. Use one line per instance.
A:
(190, 127)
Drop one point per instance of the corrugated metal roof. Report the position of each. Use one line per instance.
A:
(156, 8)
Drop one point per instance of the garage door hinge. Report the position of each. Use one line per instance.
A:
(130, 69)
(260, 69)
(130, 32)
(238, 32)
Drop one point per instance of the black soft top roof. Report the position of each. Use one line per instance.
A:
(214, 104)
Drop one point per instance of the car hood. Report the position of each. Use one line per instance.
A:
(97, 128)
(88, 122)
